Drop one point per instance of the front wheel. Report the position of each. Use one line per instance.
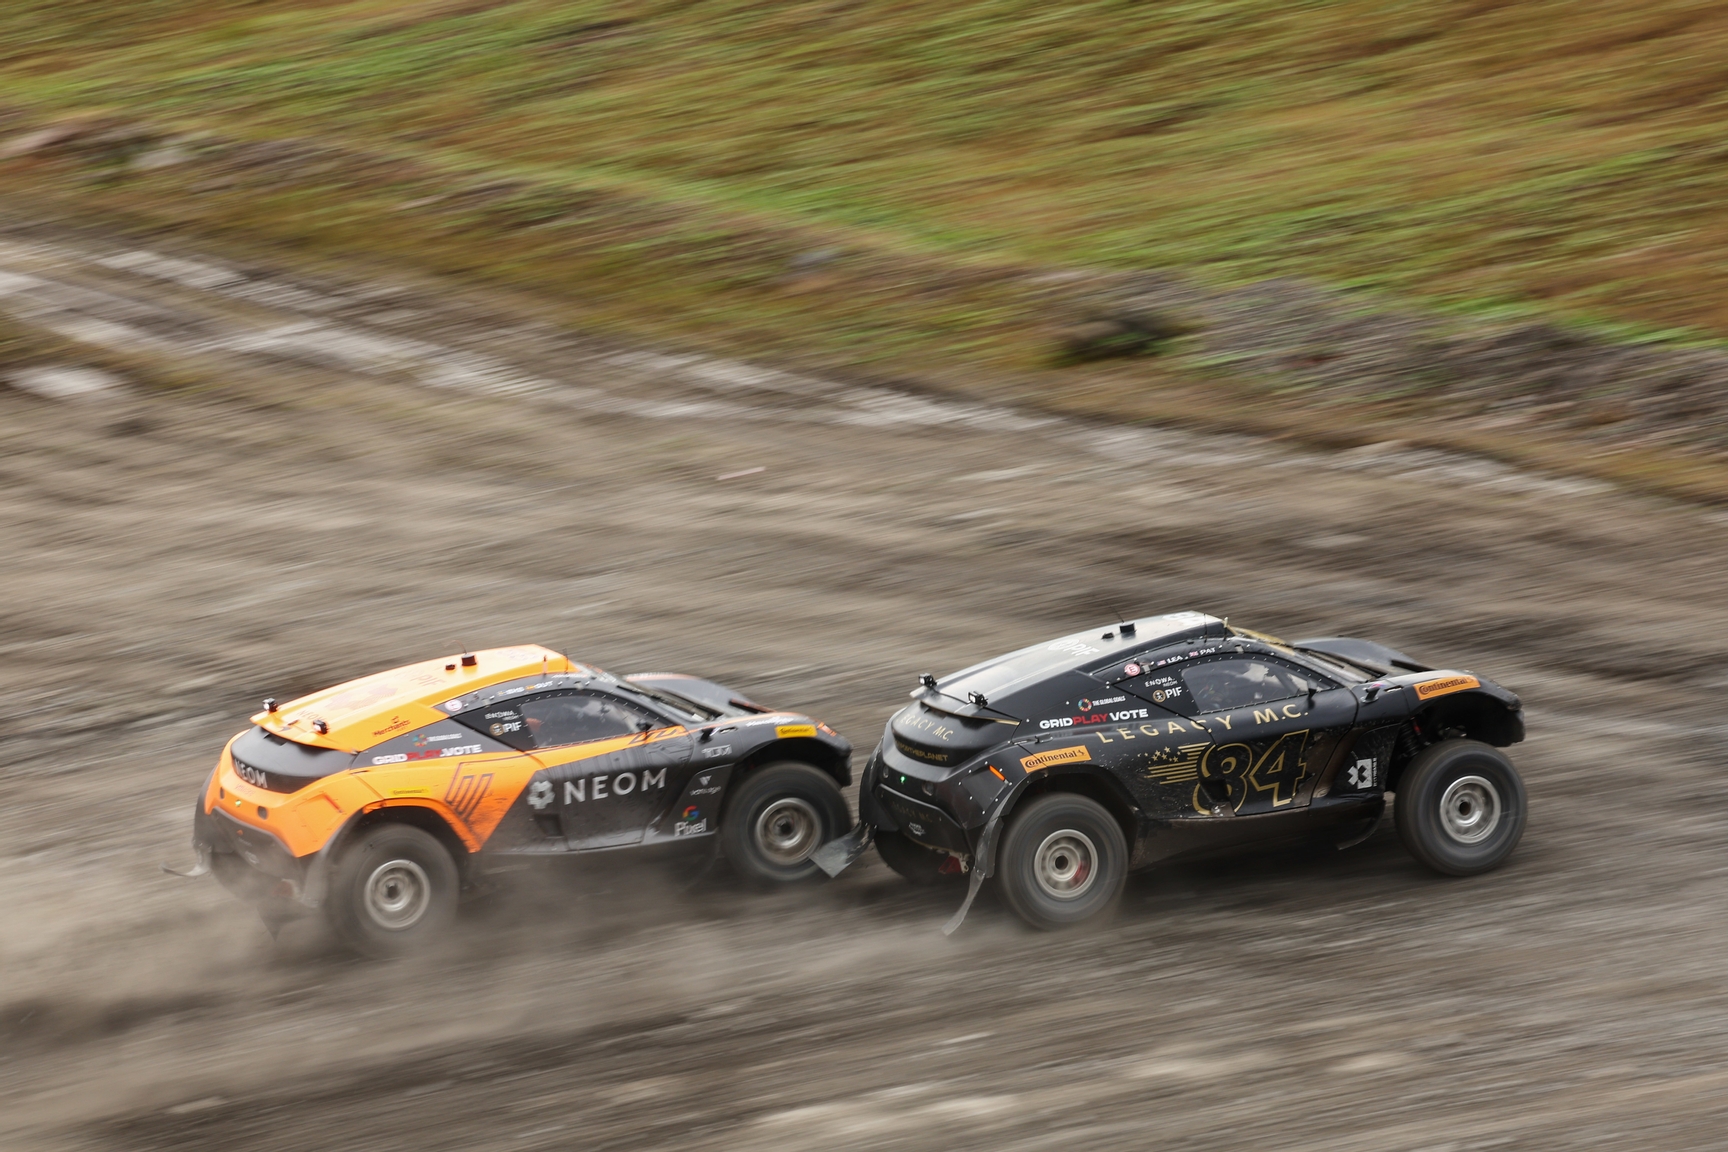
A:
(394, 891)
(1460, 807)
(1063, 861)
(782, 814)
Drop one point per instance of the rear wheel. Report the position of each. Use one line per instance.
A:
(916, 863)
(1460, 807)
(1063, 861)
(782, 814)
(394, 890)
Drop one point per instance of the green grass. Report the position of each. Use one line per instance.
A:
(657, 165)
(1568, 154)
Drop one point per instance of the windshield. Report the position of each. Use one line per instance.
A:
(677, 705)
(1340, 670)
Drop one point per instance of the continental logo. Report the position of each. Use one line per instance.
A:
(1056, 756)
(1432, 688)
(787, 731)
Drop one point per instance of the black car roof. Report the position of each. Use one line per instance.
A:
(1093, 650)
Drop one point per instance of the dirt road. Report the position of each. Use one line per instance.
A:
(383, 470)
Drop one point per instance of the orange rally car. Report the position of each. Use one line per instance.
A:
(378, 800)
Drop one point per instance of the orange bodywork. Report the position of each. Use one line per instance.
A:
(471, 793)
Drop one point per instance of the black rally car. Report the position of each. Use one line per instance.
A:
(1062, 766)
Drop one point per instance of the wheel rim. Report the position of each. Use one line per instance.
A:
(1470, 809)
(1065, 865)
(788, 830)
(397, 894)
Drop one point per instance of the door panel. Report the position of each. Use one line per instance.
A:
(609, 791)
(1258, 733)
(612, 765)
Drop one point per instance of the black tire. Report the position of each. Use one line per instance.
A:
(1460, 807)
(1063, 862)
(394, 891)
(781, 814)
(916, 863)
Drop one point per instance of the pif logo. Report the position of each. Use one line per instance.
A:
(1433, 688)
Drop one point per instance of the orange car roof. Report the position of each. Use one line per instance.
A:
(363, 712)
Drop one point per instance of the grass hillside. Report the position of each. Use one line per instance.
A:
(951, 193)
(1570, 155)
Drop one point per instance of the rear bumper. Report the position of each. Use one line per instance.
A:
(262, 851)
(254, 865)
(922, 822)
(888, 809)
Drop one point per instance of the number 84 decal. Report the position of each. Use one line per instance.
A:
(1255, 782)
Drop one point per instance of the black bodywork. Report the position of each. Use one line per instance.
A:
(1199, 737)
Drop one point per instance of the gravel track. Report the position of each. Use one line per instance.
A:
(384, 469)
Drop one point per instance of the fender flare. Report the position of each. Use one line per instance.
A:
(316, 887)
(984, 854)
(815, 752)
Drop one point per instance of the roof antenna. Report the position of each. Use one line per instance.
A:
(469, 660)
(1124, 626)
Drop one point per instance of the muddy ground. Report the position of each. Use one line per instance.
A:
(375, 470)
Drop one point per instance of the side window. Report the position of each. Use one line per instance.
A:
(556, 719)
(580, 716)
(1243, 681)
(503, 722)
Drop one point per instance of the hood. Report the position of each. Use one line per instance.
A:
(367, 711)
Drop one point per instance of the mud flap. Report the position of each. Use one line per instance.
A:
(983, 864)
(202, 868)
(275, 914)
(838, 854)
(1357, 837)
